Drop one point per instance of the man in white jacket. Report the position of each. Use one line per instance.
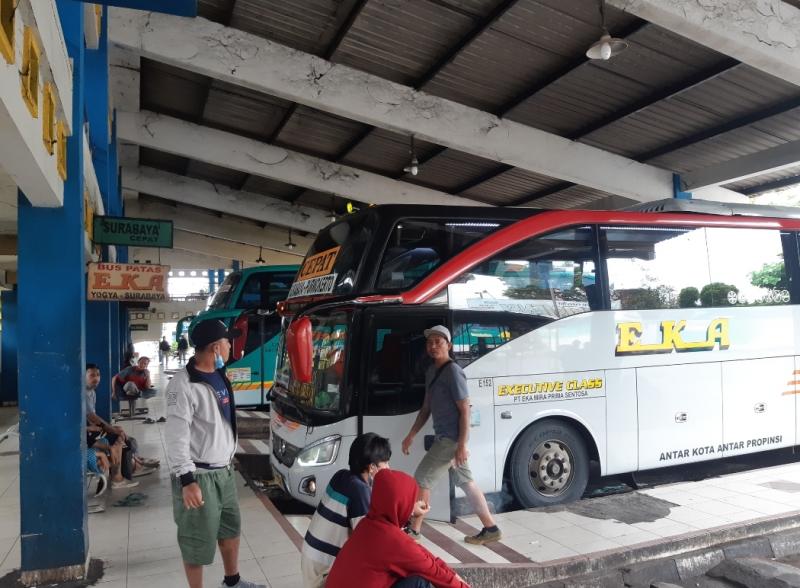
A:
(201, 441)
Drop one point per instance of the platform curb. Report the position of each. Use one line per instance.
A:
(689, 555)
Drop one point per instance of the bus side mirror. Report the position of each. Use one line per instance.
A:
(298, 343)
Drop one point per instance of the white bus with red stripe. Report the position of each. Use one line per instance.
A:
(635, 340)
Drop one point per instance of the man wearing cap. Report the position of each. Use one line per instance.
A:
(447, 399)
(200, 442)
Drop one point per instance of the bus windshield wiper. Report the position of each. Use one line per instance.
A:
(294, 404)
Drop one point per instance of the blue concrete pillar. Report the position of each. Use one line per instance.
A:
(8, 354)
(53, 534)
(99, 342)
(98, 350)
(220, 277)
(116, 343)
(235, 265)
(212, 284)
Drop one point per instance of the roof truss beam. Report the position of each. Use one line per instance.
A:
(219, 198)
(763, 34)
(261, 65)
(224, 149)
(190, 221)
(747, 166)
(774, 185)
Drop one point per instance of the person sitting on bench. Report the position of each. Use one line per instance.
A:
(133, 383)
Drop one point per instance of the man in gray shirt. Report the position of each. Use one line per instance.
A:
(447, 399)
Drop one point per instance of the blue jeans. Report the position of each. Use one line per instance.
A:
(412, 582)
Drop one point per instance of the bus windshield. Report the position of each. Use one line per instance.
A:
(223, 296)
(333, 261)
(416, 247)
(330, 335)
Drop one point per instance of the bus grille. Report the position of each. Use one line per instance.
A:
(284, 452)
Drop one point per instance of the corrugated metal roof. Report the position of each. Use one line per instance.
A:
(520, 54)
(387, 152)
(216, 174)
(171, 90)
(758, 181)
(243, 111)
(216, 10)
(400, 40)
(510, 187)
(304, 24)
(318, 133)
(164, 161)
(452, 169)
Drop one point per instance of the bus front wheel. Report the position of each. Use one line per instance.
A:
(549, 465)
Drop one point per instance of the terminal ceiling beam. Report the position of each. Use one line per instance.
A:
(125, 78)
(225, 149)
(764, 34)
(192, 260)
(747, 166)
(194, 221)
(223, 199)
(261, 65)
(205, 245)
(330, 50)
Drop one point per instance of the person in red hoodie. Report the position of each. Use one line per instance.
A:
(379, 554)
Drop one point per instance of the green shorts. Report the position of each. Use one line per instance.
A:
(199, 529)
(437, 461)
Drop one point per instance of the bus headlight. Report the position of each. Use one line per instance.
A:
(321, 453)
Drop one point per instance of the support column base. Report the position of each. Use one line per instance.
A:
(53, 575)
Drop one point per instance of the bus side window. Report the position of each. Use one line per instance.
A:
(549, 275)
(655, 267)
(474, 338)
(748, 267)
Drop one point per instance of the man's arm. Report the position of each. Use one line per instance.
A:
(176, 434)
(419, 422)
(98, 421)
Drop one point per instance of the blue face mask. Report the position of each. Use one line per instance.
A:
(218, 361)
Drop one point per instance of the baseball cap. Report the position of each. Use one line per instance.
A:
(440, 330)
(211, 330)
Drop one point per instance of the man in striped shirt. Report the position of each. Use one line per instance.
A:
(344, 504)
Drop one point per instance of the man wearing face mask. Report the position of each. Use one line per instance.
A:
(200, 441)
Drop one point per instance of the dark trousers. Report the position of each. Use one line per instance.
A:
(412, 582)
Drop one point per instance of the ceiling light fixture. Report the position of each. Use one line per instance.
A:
(260, 258)
(290, 245)
(332, 217)
(413, 165)
(606, 46)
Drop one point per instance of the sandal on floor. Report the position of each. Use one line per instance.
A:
(132, 499)
(162, 420)
(149, 421)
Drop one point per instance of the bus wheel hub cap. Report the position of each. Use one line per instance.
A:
(550, 468)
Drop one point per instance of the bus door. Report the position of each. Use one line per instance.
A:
(251, 368)
(394, 385)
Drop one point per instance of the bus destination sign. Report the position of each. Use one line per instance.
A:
(138, 232)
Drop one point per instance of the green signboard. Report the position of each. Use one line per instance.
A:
(138, 232)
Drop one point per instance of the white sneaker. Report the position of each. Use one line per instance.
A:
(243, 584)
(124, 484)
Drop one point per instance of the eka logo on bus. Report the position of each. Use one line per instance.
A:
(629, 342)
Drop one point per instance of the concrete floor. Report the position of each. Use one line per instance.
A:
(139, 547)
